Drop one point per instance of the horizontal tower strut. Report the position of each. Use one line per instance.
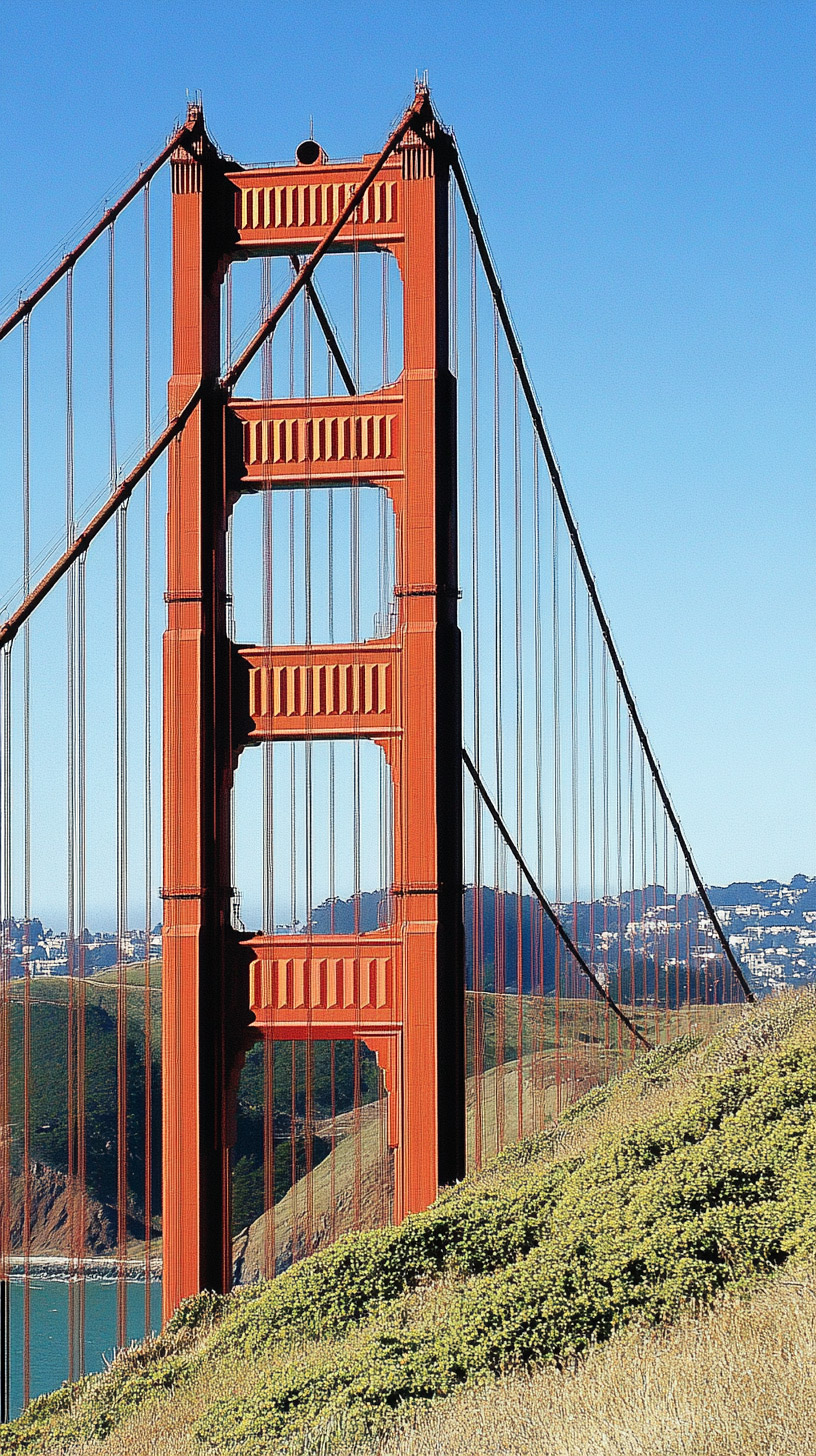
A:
(526, 382)
(410, 119)
(331, 437)
(347, 690)
(348, 985)
(544, 902)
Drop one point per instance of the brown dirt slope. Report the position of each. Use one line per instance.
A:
(52, 1216)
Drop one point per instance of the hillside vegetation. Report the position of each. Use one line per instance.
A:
(736, 1380)
(689, 1179)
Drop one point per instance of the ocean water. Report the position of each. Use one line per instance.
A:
(49, 1318)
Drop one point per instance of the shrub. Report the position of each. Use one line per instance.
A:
(707, 1198)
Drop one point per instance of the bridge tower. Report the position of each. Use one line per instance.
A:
(399, 989)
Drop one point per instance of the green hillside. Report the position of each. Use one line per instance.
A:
(53, 1008)
(691, 1175)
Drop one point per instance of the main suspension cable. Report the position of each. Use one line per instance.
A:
(182, 137)
(412, 116)
(542, 899)
(520, 365)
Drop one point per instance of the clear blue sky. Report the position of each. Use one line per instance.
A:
(645, 172)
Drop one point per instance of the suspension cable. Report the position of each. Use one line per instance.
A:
(330, 333)
(542, 899)
(182, 137)
(419, 106)
(83, 539)
(519, 362)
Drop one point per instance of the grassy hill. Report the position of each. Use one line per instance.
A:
(738, 1379)
(583, 1255)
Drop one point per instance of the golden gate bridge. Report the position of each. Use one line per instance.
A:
(390, 729)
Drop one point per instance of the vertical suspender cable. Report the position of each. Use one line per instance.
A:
(500, 856)
(574, 785)
(268, 791)
(332, 867)
(308, 1130)
(556, 700)
(538, 695)
(5, 1036)
(631, 828)
(605, 847)
(147, 799)
(679, 980)
(26, 461)
(655, 930)
(292, 826)
(644, 892)
(356, 811)
(80, 882)
(384, 911)
(76, 790)
(478, 887)
(685, 944)
(519, 706)
(593, 1005)
(121, 833)
(619, 997)
(70, 737)
(687, 939)
(75, 649)
(665, 916)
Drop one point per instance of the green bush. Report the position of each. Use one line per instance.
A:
(468, 1229)
(708, 1198)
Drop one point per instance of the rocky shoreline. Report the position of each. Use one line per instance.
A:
(52, 1266)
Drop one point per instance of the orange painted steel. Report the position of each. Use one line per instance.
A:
(203, 1007)
(363, 433)
(400, 989)
(345, 691)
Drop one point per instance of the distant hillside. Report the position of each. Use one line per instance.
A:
(772, 929)
(691, 1176)
(771, 925)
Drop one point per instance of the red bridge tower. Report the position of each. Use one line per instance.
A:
(399, 989)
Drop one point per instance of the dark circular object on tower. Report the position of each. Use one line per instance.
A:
(308, 152)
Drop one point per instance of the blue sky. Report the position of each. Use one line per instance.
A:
(645, 173)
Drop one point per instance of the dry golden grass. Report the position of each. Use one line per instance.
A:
(164, 1428)
(738, 1380)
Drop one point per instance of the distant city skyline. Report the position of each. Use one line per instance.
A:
(771, 927)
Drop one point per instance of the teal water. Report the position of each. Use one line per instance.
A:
(50, 1333)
